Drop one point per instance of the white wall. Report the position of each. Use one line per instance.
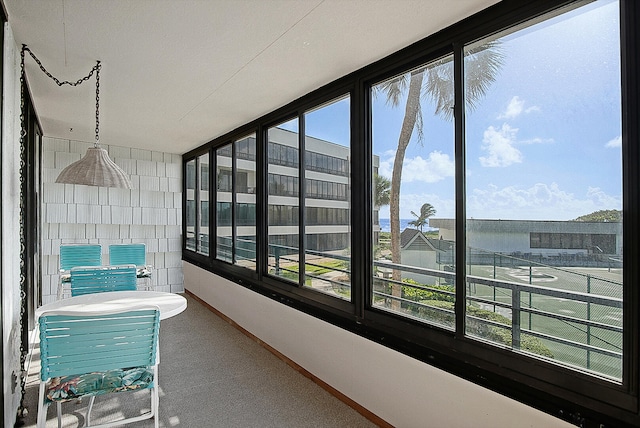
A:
(11, 228)
(401, 390)
(150, 213)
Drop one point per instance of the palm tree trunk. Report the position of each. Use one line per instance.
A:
(411, 114)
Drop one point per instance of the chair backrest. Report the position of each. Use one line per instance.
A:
(86, 280)
(127, 254)
(79, 343)
(80, 255)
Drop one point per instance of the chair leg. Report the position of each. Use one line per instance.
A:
(42, 408)
(155, 406)
(89, 408)
(59, 412)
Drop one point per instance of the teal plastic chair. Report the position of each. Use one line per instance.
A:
(136, 254)
(73, 256)
(99, 279)
(89, 354)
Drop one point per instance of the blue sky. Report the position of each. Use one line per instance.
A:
(544, 143)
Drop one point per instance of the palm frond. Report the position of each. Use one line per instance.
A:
(394, 89)
(440, 89)
(482, 65)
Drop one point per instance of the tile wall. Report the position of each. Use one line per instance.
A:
(150, 213)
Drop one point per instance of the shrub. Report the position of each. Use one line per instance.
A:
(478, 328)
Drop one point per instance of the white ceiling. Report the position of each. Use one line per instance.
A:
(178, 73)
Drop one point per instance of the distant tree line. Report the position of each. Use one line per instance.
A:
(602, 216)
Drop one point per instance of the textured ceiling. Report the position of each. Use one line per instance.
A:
(178, 73)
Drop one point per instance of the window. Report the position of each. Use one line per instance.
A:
(282, 199)
(224, 180)
(244, 250)
(190, 205)
(327, 259)
(197, 205)
(411, 265)
(470, 201)
(203, 213)
(543, 144)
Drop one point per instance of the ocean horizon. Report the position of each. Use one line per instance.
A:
(385, 225)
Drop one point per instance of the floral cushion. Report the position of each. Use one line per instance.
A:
(97, 383)
(143, 272)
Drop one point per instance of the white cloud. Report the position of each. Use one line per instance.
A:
(436, 167)
(515, 108)
(499, 145)
(539, 202)
(614, 143)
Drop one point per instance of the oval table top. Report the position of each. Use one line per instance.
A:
(170, 304)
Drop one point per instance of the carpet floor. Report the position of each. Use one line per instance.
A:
(211, 375)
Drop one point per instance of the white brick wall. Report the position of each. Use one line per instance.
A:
(150, 213)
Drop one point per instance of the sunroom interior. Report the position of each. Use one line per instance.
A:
(197, 95)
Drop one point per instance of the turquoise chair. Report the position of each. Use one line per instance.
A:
(90, 354)
(136, 254)
(98, 279)
(73, 256)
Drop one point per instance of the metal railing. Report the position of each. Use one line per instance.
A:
(577, 320)
(529, 310)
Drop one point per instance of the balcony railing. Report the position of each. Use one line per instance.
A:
(574, 320)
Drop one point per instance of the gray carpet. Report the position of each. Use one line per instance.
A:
(212, 375)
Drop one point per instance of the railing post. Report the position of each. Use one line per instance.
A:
(277, 254)
(588, 319)
(515, 318)
(494, 265)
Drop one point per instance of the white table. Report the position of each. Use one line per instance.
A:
(170, 304)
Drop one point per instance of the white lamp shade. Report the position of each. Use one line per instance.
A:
(95, 169)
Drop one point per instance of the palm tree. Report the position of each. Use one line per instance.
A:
(434, 81)
(382, 189)
(426, 211)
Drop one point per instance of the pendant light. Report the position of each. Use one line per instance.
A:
(95, 168)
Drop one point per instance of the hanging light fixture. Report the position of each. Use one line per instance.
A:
(95, 168)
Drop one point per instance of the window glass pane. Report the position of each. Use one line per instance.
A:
(203, 212)
(190, 214)
(224, 184)
(544, 190)
(283, 230)
(328, 242)
(245, 222)
(414, 169)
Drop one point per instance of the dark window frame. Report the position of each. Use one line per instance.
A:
(570, 395)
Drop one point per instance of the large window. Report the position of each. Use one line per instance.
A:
(245, 202)
(413, 148)
(315, 256)
(224, 203)
(284, 182)
(543, 142)
(470, 201)
(326, 224)
(197, 205)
